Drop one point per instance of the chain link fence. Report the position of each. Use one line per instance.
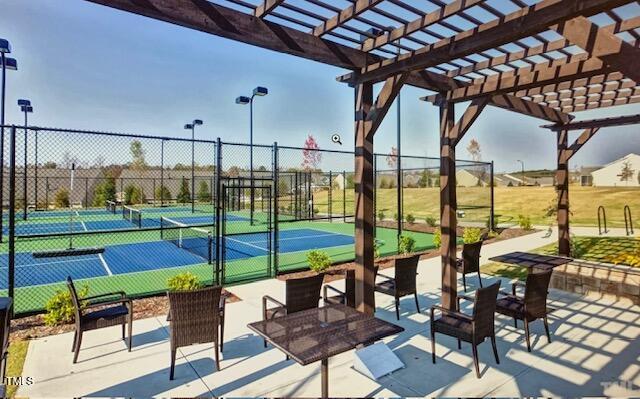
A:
(128, 212)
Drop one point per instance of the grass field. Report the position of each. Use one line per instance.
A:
(509, 202)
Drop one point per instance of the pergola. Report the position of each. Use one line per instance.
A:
(546, 59)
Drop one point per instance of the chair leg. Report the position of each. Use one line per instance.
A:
(123, 328)
(459, 344)
(526, 333)
(130, 332)
(75, 337)
(546, 328)
(217, 353)
(433, 347)
(495, 348)
(475, 359)
(222, 334)
(479, 278)
(77, 348)
(464, 282)
(397, 308)
(173, 363)
(515, 322)
(415, 295)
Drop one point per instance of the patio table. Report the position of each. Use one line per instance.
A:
(320, 333)
(529, 260)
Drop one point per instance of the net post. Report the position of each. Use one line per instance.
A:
(492, 220)
(162, 227)
(276, 229)
(12, 214)
(209, 248)
(217, 204)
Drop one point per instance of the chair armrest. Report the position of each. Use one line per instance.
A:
(465, 297)
(384, 276)
(267, 298)
(449, 312)
(334, 289)
(126, 301)
(515, 285)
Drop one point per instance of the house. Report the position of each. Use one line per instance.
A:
(506, 180)
(584, 176)
(542, 181)
(339, 182)
(623, 172)
(472, 178)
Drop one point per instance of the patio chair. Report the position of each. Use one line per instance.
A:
(404, 282)
(469, 328)
(532, 306)
(470, 262)
(300, 294)
(195, 319)
(348, 297)
(92, 315)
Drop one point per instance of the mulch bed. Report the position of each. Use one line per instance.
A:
(336, 272)
(32, 327)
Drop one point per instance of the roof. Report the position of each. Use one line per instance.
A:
(535, 57)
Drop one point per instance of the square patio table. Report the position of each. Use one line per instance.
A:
(320, 333)
(529, 260)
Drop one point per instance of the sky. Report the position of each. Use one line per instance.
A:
(85, 66)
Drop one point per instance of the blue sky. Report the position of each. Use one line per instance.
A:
(90, 67)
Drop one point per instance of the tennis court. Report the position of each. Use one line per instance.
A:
(147, 256)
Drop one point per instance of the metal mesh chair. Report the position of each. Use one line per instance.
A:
(92, 315)
(403, 283)
(470, 262)
(532, 306)
(473, 328)
(348, 297)
(195, 319)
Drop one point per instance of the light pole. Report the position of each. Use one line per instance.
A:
(12, 64)
(192, 126)
(26, 108)
(243, 100)
(522, 163)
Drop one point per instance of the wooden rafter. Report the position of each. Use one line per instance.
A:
(602, 104)
(529, 108)
(602, 44)
(594, 98)
(522, 23)
(593, 123)
(266, 7)
(537, 97)
(345, 15)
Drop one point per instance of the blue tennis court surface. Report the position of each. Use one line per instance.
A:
(137, 257)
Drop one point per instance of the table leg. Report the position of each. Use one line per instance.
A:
(324, 372)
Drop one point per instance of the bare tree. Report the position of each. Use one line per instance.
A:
(627, 172)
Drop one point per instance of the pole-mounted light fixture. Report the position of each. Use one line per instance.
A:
(192, 126)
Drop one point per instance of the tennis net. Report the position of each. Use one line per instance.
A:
(196, 240)
(112, 207)
(133, 215)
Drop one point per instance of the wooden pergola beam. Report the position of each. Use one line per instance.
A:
(596, 123)
(266, 7)
(529, 108)
(594, 98)
(368, 117)
(562, 189)
(602, 44)
(524, 22)
(345, 15)
(602, 104)
(578, 143)
(613, 86)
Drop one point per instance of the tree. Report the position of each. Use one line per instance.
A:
(162, 193)
(204, 195)
(350, 183)
(311, 155)
(627, 172)
(184, 195)
(105, 191)
(474, 150)
(133, 195)
(137, 154)
(425, 179)
(62, 198)
(392, 158)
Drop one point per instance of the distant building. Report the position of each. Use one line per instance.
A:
(611, 175)
(472, 178)
(506, 180)
(584, 177)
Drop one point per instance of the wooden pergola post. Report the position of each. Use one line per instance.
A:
(363, 180)
(448, 205)
(562, 187)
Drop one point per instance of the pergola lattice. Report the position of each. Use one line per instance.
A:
(545, 59)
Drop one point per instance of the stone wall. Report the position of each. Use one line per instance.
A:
(584, 277)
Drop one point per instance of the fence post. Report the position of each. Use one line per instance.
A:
(35, 165)
(344, 196)
(12, 215)
(46, 193)
(218, 239)
(161, 173)
(276, 228)
(492, 220)
(330, 197)
(86, 193)
(375, 193)
(26, 173)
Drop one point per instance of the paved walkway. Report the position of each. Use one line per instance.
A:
(595, 350)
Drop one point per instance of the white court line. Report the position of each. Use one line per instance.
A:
(250, 243)
(47, 263)
(247, 244)
(105, 265)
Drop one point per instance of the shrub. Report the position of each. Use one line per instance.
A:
(162, 193)
(431, 221)
(133, 195)
(204, 195)
(319, 261)
(316, 211)
(410, 218)
(406, 245)
(631, 257)
(377, 244)
(437, 238)
(381, 215)
(492, 234)
(524, 222)
(105, 191)
(395, 216)
(186, 281)
(471, 235)
(60, 307)
(61, 199)
(184, 194)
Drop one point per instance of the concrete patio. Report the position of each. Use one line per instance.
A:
(595, 351)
